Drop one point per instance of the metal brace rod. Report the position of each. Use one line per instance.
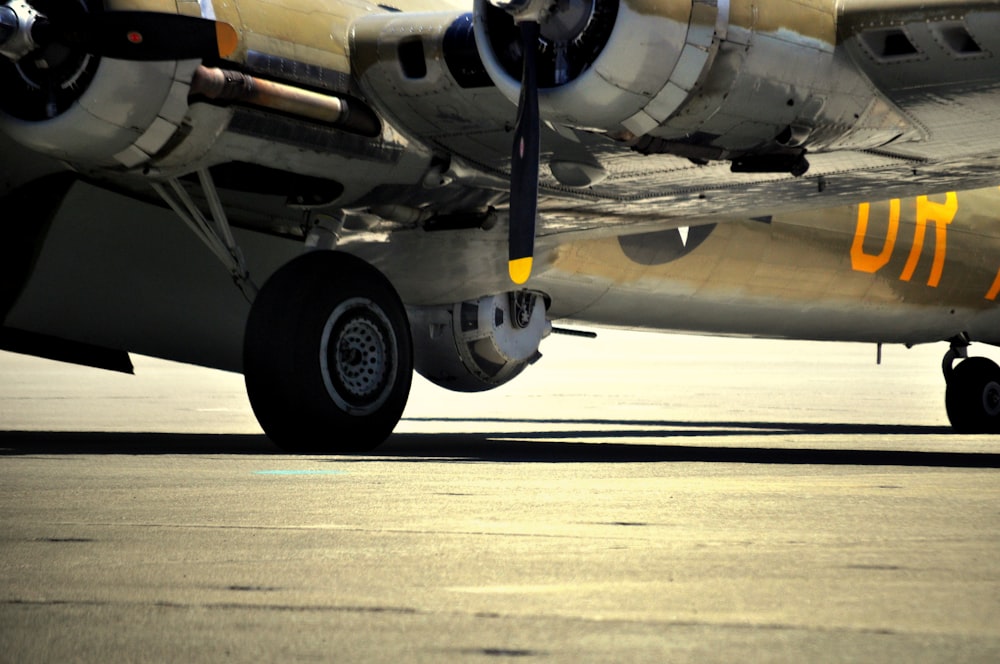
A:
(215, 234)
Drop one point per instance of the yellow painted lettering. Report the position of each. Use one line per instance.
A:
(995, 288)
(865, 262)
(941, 214)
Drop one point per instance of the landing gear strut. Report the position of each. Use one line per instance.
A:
(327, 355)
(972, 396)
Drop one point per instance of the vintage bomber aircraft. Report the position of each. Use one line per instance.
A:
(329, 194)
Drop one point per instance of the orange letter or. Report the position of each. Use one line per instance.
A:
(995, 288)
(941, 214)
(863, 262)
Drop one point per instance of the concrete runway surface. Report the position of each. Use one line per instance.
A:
(632, 498)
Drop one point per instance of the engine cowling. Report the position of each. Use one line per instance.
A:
(478, 345)
(201, 85)
(76, 106)
(707, 79)
(603, 61)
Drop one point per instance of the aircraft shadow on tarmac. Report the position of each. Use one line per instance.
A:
(556, 441)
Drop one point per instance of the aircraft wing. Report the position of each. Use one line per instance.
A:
(680, 110)
(649, 113)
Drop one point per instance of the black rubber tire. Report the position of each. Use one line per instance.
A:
(341, 400)
(972, 397)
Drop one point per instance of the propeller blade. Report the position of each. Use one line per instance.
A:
(138, 35)
(524, 162)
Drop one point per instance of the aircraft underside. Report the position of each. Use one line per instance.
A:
(331, 339)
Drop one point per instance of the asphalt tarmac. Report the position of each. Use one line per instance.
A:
(634, 498)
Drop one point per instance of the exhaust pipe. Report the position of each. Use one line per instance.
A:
(228, 85)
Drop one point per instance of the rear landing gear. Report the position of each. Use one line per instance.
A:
(972, 396)
(327, 355)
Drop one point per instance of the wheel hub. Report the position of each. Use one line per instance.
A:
(358, 356)
(361, 357)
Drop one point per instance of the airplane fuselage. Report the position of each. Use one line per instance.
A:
(905, 270)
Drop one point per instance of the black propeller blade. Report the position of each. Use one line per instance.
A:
(137, 35)
(524, 162)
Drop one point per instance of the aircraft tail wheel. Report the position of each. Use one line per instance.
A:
(327, 355)
(972, 398)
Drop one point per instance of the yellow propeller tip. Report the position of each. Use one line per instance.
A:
(227, 38)
(520, 269)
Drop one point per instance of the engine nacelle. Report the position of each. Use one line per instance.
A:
(601, 61)
(708, 79)
(167, 112)
(127, 113)
(478, 345)
(75, 106)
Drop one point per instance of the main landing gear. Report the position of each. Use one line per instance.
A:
(327, 355)
(972, 396)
